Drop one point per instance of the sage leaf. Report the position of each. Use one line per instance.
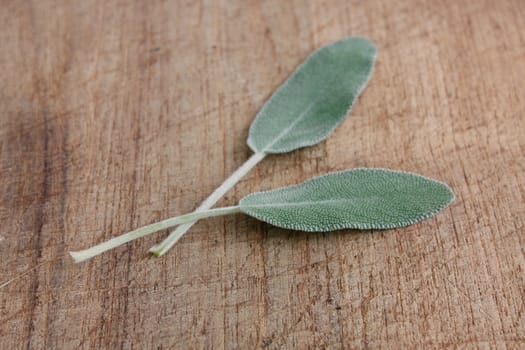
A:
(315, 99)
(302, 112)
(358, 199)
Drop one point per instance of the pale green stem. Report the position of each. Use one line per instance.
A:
(145, 230)
(175, 235)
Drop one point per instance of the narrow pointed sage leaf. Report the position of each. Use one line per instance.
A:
(358, 199)
(314, 100)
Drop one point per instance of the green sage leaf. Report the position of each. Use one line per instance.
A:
(357, 198)
(315, 99)
(302, 112)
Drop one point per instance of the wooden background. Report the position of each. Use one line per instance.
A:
(115, 114)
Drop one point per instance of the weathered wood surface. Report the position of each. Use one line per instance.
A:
(115, 114)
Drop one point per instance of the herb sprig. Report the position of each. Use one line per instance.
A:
(302, 112)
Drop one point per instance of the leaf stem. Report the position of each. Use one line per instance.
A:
(175, 235)
(145, 230)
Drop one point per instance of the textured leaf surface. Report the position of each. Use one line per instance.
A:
(358, 198)
(315, 99)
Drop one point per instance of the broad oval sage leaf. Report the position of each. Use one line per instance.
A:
(358, 198)
(315, 99)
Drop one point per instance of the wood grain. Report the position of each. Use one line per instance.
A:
(115, 114)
